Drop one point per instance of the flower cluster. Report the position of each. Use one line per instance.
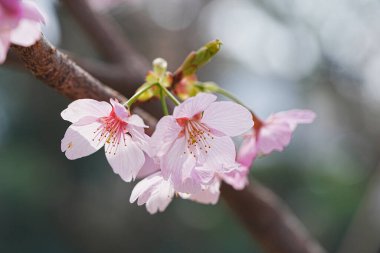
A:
(191, 151)
(20, 24)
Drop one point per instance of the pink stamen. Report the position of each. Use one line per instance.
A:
(113, 129)
(198, 135)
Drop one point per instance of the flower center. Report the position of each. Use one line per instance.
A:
(112, 130)
(198, 136)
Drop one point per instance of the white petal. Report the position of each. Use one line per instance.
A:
(143, 186)
(26, 33)
(193, 105)
(4, 46)
(155, 191)
(228, 117)
(126, 159)
(79, 141)
(86, 110)
(161, 198)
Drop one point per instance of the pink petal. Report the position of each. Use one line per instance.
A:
(155, 191)
(193, 105)
(161, 198)
(136, 121)
(141, 189)
(4, 46)
(11, 6)
(203, 175)
(85, 111)
(238, 178)
(8, 23)
(247, 152)
(178, 165)
(120, 110)
(140, 138)
(167, 131)
(149, 167)
(209, 195)
(175, 158)
(186, 183)
(79, 141)
(228, 117)
(221, 155)
(126, 160)
(273, 137)
(293, 117)
(32, 12)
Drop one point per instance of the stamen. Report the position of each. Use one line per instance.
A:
(111, 131)
(198, 138)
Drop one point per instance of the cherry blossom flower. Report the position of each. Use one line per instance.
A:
(156, 193)
(194, 144)
(20, 24)
(272, 134)
(96, 124)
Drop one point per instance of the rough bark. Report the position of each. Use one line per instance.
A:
(56, 70)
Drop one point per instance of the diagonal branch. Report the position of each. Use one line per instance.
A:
(56, 70)
(269, 220)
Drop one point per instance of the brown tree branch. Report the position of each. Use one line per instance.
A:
(265, 216)
(269, 220)
(56, 70)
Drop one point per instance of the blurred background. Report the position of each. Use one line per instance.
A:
(277, 55)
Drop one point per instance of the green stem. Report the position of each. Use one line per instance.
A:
(236, 100)
(230, 96)
(138, 94)
(170, 95)
(163, 102)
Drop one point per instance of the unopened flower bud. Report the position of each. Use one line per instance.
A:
(197, 59)
(159, 66)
